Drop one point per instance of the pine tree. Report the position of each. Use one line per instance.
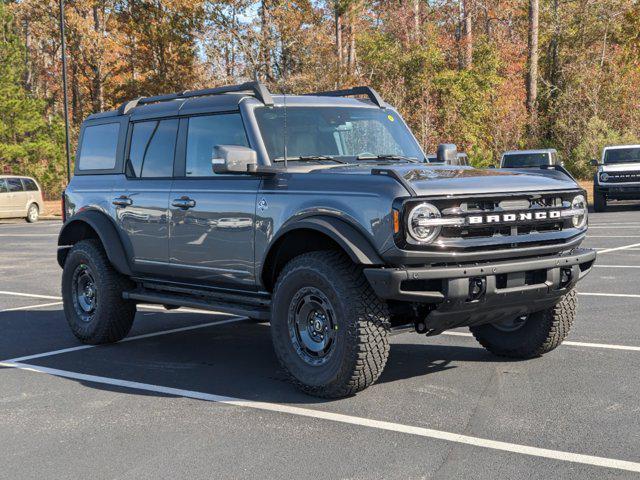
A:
(30, 144)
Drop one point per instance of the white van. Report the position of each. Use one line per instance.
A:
(20, 197)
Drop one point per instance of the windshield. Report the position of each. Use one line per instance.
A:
(516, 160)
(342, 133)
(622, 155)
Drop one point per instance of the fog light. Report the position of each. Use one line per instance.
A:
(477, 287)
(565, 277)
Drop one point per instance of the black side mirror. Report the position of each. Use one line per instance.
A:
(447, 153)
(234, 159)
(492, 166)
(594, 163)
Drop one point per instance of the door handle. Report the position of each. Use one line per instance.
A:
(122, 201)
(183, 203)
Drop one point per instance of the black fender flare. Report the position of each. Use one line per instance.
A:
(351, 240)
(73, 231)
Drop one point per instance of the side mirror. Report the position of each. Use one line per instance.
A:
(594, 163)
(234, 159)
(492, 166)
(447, 153)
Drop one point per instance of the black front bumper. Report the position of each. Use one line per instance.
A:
(619, 191)
(509, 288)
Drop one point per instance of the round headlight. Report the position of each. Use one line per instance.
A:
(604, 176)
(419, 226)
(579, 206)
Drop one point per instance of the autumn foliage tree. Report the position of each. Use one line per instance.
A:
(486, 75)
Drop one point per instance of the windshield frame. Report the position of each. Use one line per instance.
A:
(250, 106)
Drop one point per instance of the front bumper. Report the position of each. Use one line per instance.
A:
(619, 190)
(509, 288)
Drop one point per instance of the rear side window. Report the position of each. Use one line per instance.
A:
(15, 185)
(153, 146)
(3, 186)
(99, 146)
(204, 134)
(29, 185)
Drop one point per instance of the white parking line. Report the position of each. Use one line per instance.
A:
(29, 307)
(608, 346)
(613, 236)
(128, 339)
(28, 234)
(596, 294)
(607, 250)
(615, 226)
(31, 295)
(342, 418)
(617, 266)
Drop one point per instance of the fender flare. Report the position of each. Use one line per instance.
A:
(107, 233)
(351, 240)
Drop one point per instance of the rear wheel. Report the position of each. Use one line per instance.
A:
(599, 201)
(329, 329)
(92, 295)
(531, 335)
(33, 213)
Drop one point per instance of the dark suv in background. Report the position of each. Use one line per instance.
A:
(318, 213)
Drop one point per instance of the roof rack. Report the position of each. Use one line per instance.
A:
(368, 91)
(258, 90)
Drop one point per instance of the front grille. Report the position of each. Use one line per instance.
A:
(529, 225)
(623, 177)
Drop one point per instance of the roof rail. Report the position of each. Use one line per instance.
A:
(368, 91)
(258, 90)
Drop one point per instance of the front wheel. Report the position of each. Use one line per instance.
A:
(92, 295)
(599, 201)
(329, 329)
(531, 335)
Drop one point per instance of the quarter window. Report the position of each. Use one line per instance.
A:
(204, 134)
(99, 146)
(153, 146)
(15, 185)
(29, 185)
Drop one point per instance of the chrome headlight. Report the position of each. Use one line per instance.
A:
(604, 177)
(424, 223)
(579, 208)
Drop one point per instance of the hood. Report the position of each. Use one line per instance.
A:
(620, 167)
(455, 180)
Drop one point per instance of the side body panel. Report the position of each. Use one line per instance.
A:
(361, 201)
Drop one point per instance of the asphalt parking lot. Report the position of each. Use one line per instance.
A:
(200, 395)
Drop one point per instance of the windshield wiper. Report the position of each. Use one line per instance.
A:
(310, 158)
(389, 156)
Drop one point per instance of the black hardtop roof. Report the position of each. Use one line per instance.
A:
(226, 98)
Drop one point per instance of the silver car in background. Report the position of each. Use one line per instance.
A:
(20, 197)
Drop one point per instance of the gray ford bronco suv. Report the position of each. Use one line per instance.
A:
(316, 213)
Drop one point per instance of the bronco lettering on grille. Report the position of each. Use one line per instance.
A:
(513, 217)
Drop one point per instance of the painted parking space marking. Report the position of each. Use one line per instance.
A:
(608, 346)
(128, 339)
(616, 266)
(597, 294)
(30, 295)
(615, 249)
(29, 307)
(559, 455)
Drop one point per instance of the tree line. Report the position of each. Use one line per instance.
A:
(488, 75)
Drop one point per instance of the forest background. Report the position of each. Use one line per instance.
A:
(488, 76)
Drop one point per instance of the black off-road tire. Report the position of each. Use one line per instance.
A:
(361, 344)
(33, 213)
(599, 201)
(113, 316)
(542, 332)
